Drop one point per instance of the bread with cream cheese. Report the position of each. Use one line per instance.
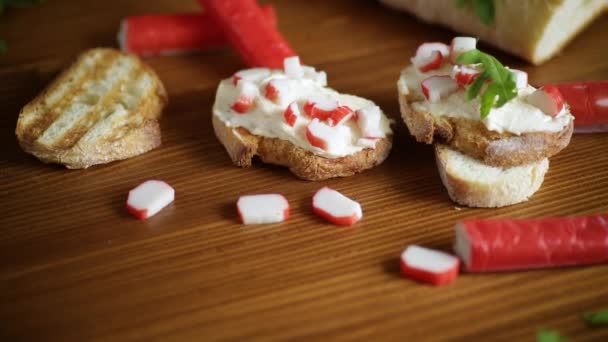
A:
(472, 183)
(535, 30)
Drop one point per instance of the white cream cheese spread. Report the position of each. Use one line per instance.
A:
(266, 117)
(516, 116)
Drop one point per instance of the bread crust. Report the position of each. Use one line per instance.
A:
(503, 191)
(138, 133)
(472, 138)
(242, 146)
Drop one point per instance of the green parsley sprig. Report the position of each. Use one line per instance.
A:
(549, 336)
(501, 88)
(596, 318)
(484, 9)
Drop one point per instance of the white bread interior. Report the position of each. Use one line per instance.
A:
(472, 183)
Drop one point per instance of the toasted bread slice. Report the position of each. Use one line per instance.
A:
(104, 107)
(471, 183)
(473, 138)
(533, 29)
(242, 146)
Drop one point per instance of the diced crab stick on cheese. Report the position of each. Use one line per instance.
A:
(336, 208)
(436, 88)
(464, 75)
(429, 266)
(325, 137)
(171, 34)
(293, 68)
(291, 114)
(277, 91)
(460, 45)
(340, 115)
(520, 78)
(319, 77)
(588, 102)
(490, 245)
(149, 198)
(548, 99)
(369, 121)
(247, 92)
(320, 108)
(429, 56)
(252, 75)
(264, 208)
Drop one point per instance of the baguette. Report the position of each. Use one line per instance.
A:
(535, 30)
(104, 107)
(472, 183)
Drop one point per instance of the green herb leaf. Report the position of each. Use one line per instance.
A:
(3, 46)
(502, 87)
(549, 336)
(484, 9)
(596, 318)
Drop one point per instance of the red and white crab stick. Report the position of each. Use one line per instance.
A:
(257, 42)
(589, 103)
(491, 245)
(171, 34)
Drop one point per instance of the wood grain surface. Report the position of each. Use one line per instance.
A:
(74, 266)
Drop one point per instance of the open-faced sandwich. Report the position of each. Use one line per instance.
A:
(493, 131)
(291, 118)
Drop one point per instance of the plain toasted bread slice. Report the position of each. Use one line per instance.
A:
(473, 138)
(242, 146)
(104, 107)
(471, 183)
(533, 29)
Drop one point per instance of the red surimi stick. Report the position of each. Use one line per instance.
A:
(161, 34)
(258, 43)
(589, 103)
(516, 244)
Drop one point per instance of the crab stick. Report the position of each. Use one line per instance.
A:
(429, 266)
(257, 42)
(490, 245)
(589, 103)
(171, 34)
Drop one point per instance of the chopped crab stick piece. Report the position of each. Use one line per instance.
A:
(336, 208)
(429, 266)
(464, 75)
(261, 209)
(588, 102)
(247, 92)
(169, 34)
(436, 88)
(490, 245)
(277, 91)
(254, 38)
(325, 137)
(293, 68)
(149, 198)
(368, 120)
(548, 99)
(460, 45)
(320, 108)
(291, 114)
(429, 56)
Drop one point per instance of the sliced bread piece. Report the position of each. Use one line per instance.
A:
(104, 107)
(472, 183)
(533, 29)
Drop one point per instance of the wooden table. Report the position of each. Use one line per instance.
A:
(74, 265)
